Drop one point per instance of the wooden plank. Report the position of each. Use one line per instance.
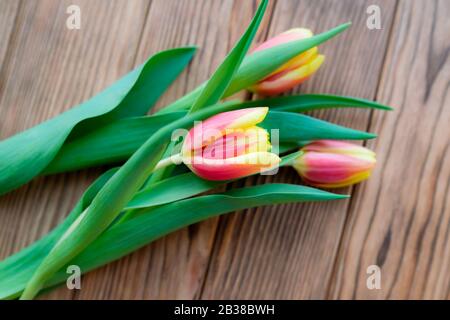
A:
(400, 219)
(174, 267)
(288, 251)
(8, 13)
(51, 68)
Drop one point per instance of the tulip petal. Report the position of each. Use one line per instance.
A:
(239, 148)
(288, 79)
(333, 170)
(213, 128)
(354, 179)
(233, 168)
(298, 61)
(236, 143)
(339, 147)
(285, 37)
(288, 36)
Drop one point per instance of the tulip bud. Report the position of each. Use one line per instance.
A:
(295, 71)
(229, 146)
(334, 164)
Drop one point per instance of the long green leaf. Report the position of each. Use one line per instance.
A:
(220, 80)
(140, 230)
(259, 65)
(171, 189)
(310, 102)
(117, 141)
(294, 127)
(25, 155)
(17, 269)
(111, 143)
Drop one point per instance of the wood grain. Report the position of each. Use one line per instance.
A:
(8, 14)
(288, 251)
(400, 219)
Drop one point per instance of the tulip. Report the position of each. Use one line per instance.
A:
(229, 146)
(334, 164)
(295, 71)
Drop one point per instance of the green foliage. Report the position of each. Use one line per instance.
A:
(29, 152)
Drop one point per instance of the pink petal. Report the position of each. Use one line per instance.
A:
(233, 168)
(208, 131)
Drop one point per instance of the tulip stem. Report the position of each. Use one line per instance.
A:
(162, 164)
(175, 159)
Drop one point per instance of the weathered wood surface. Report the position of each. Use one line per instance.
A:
(398, 220)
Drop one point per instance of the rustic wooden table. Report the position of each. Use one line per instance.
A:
(399, 220)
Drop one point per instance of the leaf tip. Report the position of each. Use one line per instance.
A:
(344, 26)
(335, 196)
(188, 48)
(381, 106)
(362, 135)
(342, 196)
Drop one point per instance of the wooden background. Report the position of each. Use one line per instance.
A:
(398, 220)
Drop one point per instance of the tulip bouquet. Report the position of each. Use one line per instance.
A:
(161, 182)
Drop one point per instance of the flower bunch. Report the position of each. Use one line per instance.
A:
(139, 201)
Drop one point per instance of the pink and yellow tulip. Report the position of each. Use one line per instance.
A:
(295, 71)
(334, 164)
(229, 145)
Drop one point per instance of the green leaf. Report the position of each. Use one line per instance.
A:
(149, 225)
(111, 143)
(26, 154)
(290, 146)
(310, 102)
(171, 189)
(17, 269)
(294, 127)
(220, 80)
(259, 65)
